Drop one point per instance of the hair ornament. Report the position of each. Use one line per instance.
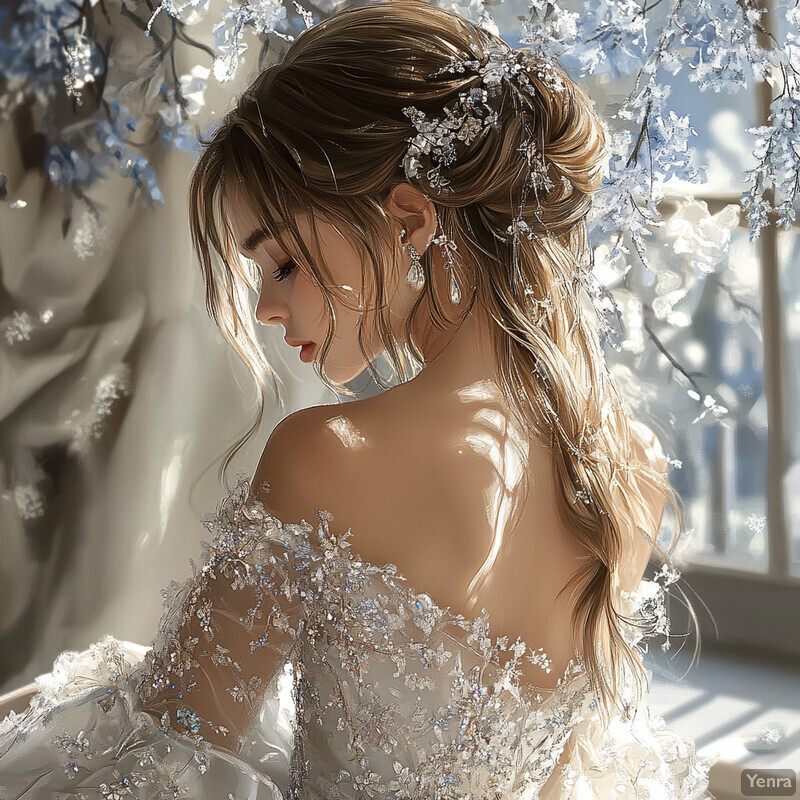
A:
(506, 63)
(464, 119)
(433, 149)
(537, 309)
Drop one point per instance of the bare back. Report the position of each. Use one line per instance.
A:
(429, 488)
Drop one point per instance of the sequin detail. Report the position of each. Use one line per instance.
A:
(394, 697)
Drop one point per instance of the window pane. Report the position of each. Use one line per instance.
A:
(788, 255)
(722, 143)
(733, 450)
(717, 339)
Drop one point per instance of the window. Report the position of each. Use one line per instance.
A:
(740, 474)
(737, 337)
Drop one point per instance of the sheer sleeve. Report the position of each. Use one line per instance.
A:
(227, 631)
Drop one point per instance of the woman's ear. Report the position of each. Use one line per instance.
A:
(415, 212)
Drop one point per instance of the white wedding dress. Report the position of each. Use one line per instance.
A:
(390, 696)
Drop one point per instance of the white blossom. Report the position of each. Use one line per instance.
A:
(89, 427)
(18, 327)
(29, 501)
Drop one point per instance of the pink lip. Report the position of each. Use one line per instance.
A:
(306, 348)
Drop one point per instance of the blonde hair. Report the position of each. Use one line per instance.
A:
(323, 132)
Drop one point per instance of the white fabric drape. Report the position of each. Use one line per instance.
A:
(123, 302)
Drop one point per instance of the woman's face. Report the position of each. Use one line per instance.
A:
(292, 298)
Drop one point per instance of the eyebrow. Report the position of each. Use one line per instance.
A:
(258, 236)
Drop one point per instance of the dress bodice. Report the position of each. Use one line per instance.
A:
(392, 696)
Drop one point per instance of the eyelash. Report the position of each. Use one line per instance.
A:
(284, 271)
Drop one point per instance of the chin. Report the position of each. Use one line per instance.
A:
(350, 370)
(342, 377)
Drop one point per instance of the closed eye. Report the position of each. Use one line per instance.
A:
(284, 271)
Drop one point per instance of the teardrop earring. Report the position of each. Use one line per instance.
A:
(415, 277)
(449, 247)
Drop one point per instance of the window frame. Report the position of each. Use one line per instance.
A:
(753, 608)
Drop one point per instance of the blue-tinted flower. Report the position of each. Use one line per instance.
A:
(66, 165)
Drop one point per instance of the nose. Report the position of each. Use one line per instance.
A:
(271, 311)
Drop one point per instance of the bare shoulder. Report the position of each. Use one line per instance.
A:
(301, 467)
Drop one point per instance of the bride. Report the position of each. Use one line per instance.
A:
(404, 184)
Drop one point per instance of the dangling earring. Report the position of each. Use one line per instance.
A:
(415, 277)
(448, 249)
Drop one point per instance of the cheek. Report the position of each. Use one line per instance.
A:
(307, 301)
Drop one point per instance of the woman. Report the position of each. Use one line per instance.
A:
(406, 185)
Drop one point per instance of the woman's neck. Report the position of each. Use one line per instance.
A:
(458, 357)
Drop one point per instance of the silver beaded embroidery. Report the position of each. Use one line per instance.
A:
(394, 697)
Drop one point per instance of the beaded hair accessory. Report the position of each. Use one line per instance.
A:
(465, 119)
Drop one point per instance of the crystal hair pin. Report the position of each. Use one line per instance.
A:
(467, 117)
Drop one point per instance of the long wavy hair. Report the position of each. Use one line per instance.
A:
(323, 132)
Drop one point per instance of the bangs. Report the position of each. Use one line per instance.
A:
(267, 178)
(252, 176)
